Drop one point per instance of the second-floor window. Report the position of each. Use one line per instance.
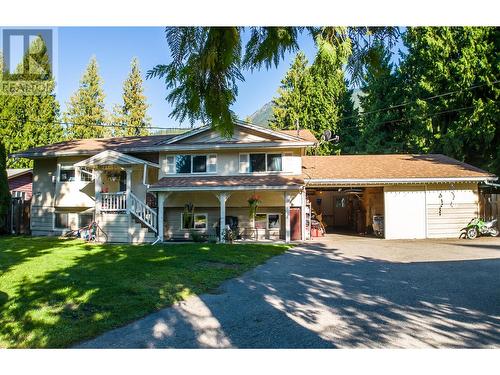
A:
(260, 162)
(67, 174)
(191, 164)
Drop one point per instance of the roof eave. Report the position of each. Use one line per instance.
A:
(222, 188)
(388, 181)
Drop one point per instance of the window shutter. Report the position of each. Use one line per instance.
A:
(170, 164)
(244, 164)
(212, 163)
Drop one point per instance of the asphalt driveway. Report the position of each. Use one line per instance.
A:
(340, 292)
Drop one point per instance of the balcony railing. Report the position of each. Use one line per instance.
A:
(114, 202)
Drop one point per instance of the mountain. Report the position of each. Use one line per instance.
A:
(262, 116)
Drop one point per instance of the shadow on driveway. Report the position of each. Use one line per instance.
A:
(315, 297)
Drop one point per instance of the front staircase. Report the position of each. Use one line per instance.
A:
(117, 223)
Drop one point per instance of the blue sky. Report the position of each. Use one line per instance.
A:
(114, 48)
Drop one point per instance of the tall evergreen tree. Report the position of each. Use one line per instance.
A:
(450, 76)
(348, 129)
(314, 95)
(29, 118)
(131, 115)
(294, 95)
(86, 112)
(4, 190)
(381, 127)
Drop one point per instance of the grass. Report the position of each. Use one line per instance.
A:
(55, 292)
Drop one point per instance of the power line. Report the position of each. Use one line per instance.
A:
(414, 101)
(104, 125)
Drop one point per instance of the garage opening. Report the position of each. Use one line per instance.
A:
(347, 210)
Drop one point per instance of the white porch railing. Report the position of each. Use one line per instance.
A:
(113, 202)
(143, 212)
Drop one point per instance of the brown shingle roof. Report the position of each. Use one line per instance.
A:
(358, 167)
(95, 145)
(123, 144)
(228, 181)
(305, 134)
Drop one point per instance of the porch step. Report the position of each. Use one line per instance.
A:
(121, 228)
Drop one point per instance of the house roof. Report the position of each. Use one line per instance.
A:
(305, 134)
(14, 172)
(145, 143)
(389, 168)
(255, 182)
(110, 157)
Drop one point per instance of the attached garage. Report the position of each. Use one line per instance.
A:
(423, 196)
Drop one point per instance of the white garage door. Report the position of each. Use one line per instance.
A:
(449, 209)
(404, 212)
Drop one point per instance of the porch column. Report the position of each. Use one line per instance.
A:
(97, 190)
(287, 216)
(128, 188)
(161, 205)
(222, 201)
(303, 214)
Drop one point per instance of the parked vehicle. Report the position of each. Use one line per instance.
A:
(479, 227)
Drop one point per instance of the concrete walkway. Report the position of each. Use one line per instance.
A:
(340, 292)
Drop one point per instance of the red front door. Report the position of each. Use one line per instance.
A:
(295, 224)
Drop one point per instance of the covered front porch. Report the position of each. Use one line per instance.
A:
(120, 183)
(185, 212)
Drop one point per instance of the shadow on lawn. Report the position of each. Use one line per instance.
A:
(318, 298)
(107, 287)
(16, 250)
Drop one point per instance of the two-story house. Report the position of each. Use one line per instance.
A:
(199, 178)
(156, 188)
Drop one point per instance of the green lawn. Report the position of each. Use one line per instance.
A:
(55, 292)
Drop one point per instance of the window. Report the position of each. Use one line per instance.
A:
(191, 164)
(170, 164)
(257, 162)
(86, 174)
(244, 167)
(267, 221)
(274, 162)
(18, 194)
(61, 220)
(260, 163)
(183, 164)
(260, 221)
(199, 221)
(84, 220)
(122, 181)
(199, 163)
(66, 174)
(212, 163)
(273, 221)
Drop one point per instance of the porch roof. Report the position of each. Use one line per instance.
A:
(267, 182)
(110, 157)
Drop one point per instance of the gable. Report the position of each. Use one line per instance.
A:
(239, 136)
(243, 133)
